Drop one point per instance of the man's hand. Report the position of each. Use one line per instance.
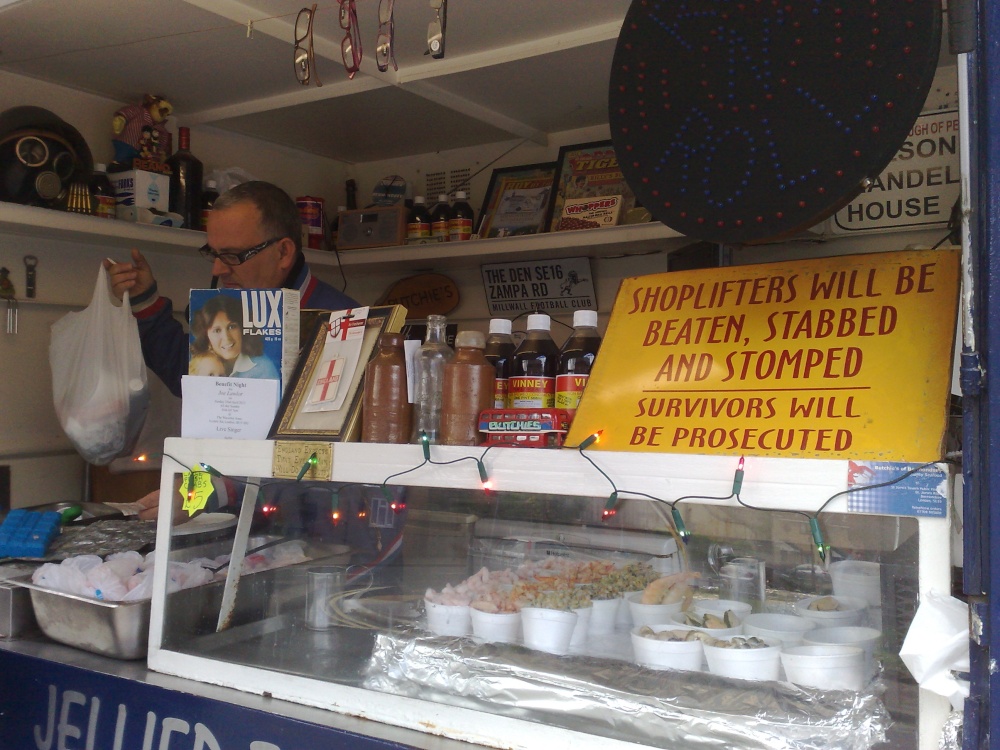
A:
(151, 505)
(135, 277)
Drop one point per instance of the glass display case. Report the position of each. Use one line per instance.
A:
(388, 583)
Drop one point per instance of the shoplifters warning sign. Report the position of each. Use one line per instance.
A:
(842, 357)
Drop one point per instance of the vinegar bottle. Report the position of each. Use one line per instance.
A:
(532, 382)
(428, 378)
(440, 215)
(418, 224)
(575, 360)
(185, 181)
(499, 352)
(468, 390)
(460, 223)
(385, 411)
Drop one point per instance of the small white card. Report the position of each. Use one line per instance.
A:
(241, 408)
(340, 358)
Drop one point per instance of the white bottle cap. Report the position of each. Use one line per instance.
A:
(500, 325)
(461, 195)
(418, 199)
(100, 167)
(442, 198)
(341, 208)
(539, 322)
(475, 339)
(585, 318)
(211, 184)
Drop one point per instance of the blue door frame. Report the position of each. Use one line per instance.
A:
(981, 382)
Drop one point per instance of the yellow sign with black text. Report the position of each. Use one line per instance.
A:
(846, 356)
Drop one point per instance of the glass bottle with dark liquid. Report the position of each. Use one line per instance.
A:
(499, 352)
(576, 358)
(532, 382)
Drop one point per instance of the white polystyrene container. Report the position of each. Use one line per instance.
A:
(496, 627)
(680, 655)
(549, 630)
(852, 612)
(788, 629)
(650, 614)
(745, 664)
(448, 619)
(825, 666)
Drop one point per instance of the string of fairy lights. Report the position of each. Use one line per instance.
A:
(677, 527)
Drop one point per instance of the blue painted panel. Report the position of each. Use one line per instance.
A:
(48, 706)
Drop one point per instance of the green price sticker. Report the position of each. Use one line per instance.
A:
(196, 489)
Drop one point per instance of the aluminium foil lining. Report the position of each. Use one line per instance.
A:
(612, 698)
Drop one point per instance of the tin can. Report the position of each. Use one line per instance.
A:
(313, 221)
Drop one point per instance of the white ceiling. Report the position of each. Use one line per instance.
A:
(513, 68)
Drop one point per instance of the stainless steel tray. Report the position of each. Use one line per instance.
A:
(121, 629)
(116, 629)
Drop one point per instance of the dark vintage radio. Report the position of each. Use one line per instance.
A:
(380, 226)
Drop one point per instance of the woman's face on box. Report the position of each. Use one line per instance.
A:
(225, 337)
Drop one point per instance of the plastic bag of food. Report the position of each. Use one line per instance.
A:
(99, 384)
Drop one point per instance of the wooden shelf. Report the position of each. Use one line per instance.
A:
(631, 239)
(49, 224)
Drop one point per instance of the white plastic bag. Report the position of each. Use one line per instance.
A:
(99, 383)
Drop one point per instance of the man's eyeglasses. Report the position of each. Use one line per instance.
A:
(305, 57)
(350, 45)
(236, 258)
(437, 28)
(384, 51)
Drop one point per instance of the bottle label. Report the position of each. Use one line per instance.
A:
(569, 391)
(531, 392)
(500, 393)
(417, 230)
(459, 229)
(104, 206)
(204, 221)
(440, 229)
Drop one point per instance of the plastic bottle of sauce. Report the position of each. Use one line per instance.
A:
(576, 357)
(532, 383)
(385, 411)
(440, 215)
(499, 352)
(208, 196)
(428, 378)
(418, 224)
(468, 390)
(102, 195)
(460, 223)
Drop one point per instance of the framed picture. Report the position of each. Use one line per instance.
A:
(517, 200)
(294, 420)
(587, 170)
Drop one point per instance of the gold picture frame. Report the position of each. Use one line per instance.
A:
(342, 425)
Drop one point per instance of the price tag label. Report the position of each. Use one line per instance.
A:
(196, 489)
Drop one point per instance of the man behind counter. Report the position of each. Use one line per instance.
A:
(254, 242)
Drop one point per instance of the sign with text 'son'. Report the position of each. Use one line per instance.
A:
(918, 188)
(549, 286)
(839, 357)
